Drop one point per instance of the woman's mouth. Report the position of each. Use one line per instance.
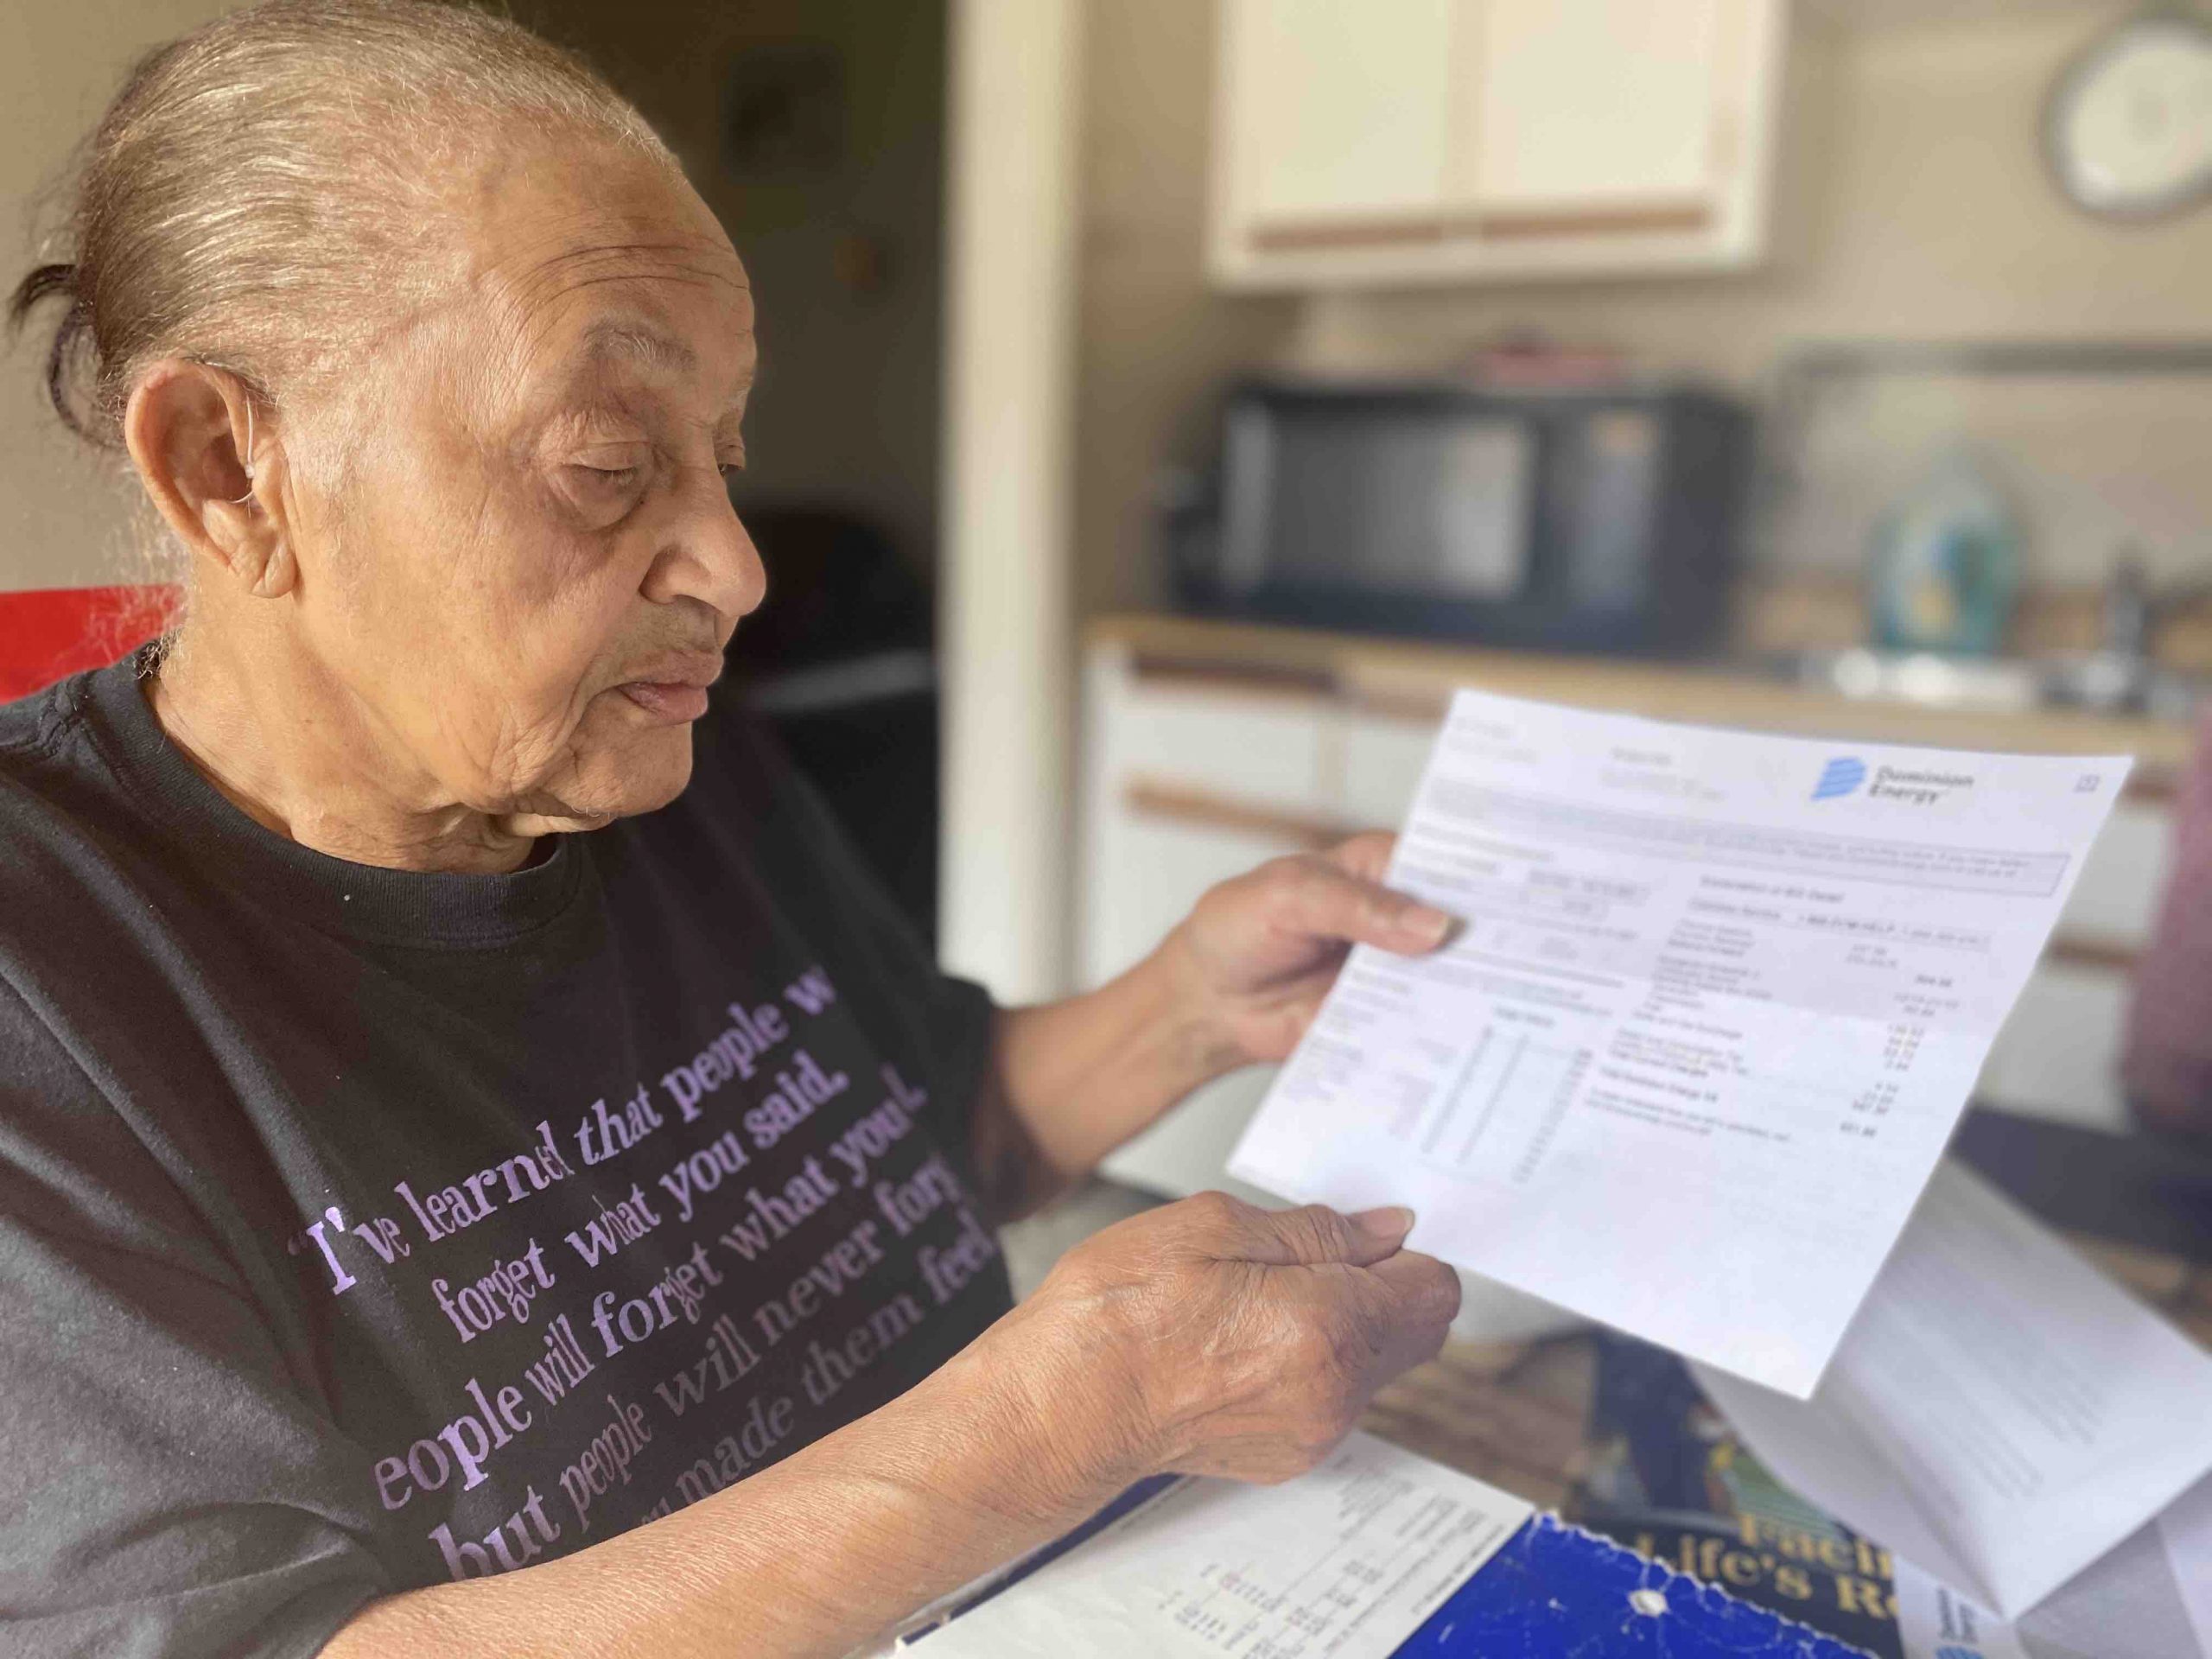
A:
(672, 702)
(671, 687)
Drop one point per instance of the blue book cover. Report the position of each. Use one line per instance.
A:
(1555, 1589)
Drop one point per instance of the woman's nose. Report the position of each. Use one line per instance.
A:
(708, 555)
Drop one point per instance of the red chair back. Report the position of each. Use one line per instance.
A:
(48, 633)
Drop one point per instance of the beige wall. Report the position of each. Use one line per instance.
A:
(1153, 343)
(63, 515)
(1913, 205)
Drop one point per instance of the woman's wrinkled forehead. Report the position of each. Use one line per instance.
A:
(627, 344)
(562, 250)
(568, 299)
(693, 338)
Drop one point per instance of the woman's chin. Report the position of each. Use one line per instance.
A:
(650, 774)
(619, 777)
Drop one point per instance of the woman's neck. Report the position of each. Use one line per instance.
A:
(286, 745)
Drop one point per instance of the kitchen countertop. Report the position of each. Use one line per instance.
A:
(1414, 679)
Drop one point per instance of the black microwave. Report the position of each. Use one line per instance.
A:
(1599, 519)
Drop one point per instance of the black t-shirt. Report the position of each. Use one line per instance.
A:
(362, 1229)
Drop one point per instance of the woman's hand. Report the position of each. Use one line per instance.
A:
(1238, 981)
(1257, 954)
(1211, 1336)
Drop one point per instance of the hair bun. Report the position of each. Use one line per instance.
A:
(252, 195)
(43, 283)
(71, 336)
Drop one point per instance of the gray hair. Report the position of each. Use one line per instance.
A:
(260, 195)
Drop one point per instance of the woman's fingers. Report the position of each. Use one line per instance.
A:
(1312, 1234)
(1405, 1305)
(1403, 1288)
(1423, 1290)
(1366, 856)
(1328, 900)
(1254, 1337)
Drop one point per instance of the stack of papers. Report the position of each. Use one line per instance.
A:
(2149, 1598)
(2001, 1414)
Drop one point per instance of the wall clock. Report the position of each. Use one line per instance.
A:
(2127, 128)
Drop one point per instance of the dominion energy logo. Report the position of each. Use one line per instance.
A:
(1839, 777)
(1847, 774)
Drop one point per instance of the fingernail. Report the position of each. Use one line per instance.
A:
(1387, 1225)
(1427, 923)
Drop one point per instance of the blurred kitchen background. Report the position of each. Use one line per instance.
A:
(1165, 403)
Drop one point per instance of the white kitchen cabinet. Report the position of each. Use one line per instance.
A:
(2058, 1056)
(1149, 871)
(1344, 111)
(1259, 747)
(1383, 760)
(1249, 757)
(2115, 903)
(1406, 140)
(1249, 765)
(1611, 102)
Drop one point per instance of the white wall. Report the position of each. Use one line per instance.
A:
(1155, 342)
(1004, 564)
(63, 515)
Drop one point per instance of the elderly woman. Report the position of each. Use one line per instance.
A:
(480, 1169)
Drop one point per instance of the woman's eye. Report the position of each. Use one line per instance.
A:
(608, 477)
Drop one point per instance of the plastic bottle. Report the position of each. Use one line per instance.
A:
(1944, 566)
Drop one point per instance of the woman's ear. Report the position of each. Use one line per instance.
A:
(190, 429)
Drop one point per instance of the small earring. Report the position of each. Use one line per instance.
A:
(247, 461)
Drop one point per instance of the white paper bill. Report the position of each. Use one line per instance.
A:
(1718, 1004)
(1345, 1562)
(2001, 1414)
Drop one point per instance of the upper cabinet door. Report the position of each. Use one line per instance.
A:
(1337, 115)
(1574, 106)
(1369, 141)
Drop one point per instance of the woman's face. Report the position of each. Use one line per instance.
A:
(523, 575)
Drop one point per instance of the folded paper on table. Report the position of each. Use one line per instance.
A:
(1717, 1005)
(2000, 1414)
(2151, 1597)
